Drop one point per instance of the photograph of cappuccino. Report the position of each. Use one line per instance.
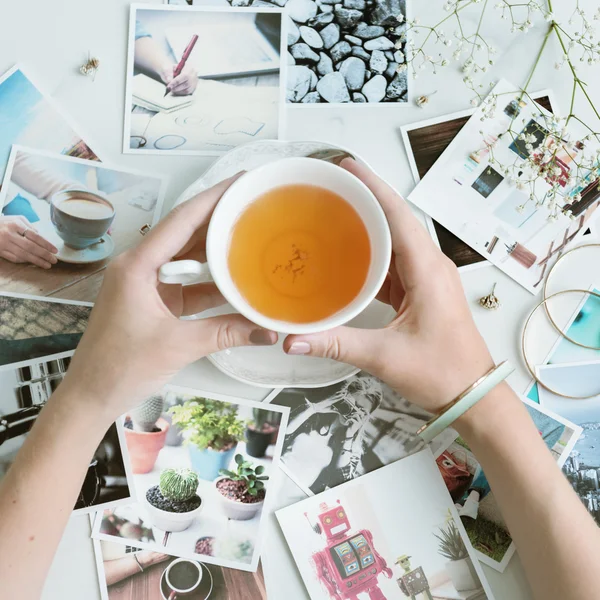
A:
(76, 216)
(136, 574)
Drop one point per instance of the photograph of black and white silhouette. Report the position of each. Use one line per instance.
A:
(340, 432)
(23, 393)
(32, 327)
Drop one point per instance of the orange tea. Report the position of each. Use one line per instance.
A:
(299, 253)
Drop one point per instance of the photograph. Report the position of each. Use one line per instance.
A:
(484, 191)
(130, 573)
(340, 54)
(23, 393)
(72, 217)
(203, 468)
(373, 537)
(582, 468)
(340, 432)
(424, 142)
(29, 117)
(202, 79)
(32, 327)
(470, 490)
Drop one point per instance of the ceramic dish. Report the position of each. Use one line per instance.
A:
(269, 366)
(103, 249)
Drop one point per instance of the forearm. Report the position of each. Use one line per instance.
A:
(556, 538)
(39, 491)
(150, 58)
(117, 570)
(32, 176)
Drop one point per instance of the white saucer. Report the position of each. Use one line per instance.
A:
(269, 366)
(99, 251)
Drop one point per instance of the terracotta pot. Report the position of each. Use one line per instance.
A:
(144, 447)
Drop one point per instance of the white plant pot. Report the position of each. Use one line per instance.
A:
(237, 510)
(170, 521)
(463, 575)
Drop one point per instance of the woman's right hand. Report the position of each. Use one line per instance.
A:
(21, 243)
(432, 350)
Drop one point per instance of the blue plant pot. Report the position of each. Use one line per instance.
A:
(207, 463)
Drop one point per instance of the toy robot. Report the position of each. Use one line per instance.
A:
(349, 564)
(412, 581)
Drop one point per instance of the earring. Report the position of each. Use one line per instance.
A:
(490, 302)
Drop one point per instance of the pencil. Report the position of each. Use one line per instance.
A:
(184, 58)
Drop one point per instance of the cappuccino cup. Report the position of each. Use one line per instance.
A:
(183, 577)
(81, 218)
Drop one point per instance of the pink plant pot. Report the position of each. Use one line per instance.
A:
(144, 447)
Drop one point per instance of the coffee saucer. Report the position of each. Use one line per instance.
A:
(99, 251)
(202, 592)
(269, 366)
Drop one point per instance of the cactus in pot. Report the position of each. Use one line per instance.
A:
(173, 503)
(145, 416)
(145, 432)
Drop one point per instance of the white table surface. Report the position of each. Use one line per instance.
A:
(51, 38)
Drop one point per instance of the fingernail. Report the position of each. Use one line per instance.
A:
(299, 348)
(262, 337)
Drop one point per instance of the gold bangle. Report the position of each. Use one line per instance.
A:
(528, 364)
(546, 297)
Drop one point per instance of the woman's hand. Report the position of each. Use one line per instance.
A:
(432, 350)
(184, 84)
(135, 341)
(21, 243)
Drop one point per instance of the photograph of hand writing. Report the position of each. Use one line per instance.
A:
(63, 220)
(127, 572)
(202, 80)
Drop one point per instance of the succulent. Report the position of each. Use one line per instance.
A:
(262, 417)
(209, 423)
(451, 544)
(252, 476)
(178, 485)
(145, 416)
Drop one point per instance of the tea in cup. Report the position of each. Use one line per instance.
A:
(297, 246)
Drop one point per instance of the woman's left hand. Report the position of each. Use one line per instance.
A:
(135, 341)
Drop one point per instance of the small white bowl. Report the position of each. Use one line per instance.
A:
(237, 510)
(169, 521)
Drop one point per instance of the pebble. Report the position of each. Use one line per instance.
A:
(378, 62)
(262, 4)
(330, 35)
(346, 17)
(240, 2)
(391, 70)
(301, 10)
(321, 20)
(384, 12)
(325, 64)
(290, 59)
(380, 43)
(368, 32)
(389, 55)
(332, 88)
(398, 86)
(298, 82)
(326, 8)
(311, 98)
(311, 37)
(374, 90)
(353, 40)
(356, 4)
(340, 51)
(293, 33)
(303, 51)
(358, 97)
(281, 3)
(313, 81)
(399, 56)
(353, 70)
(360, 52)
(327, 2)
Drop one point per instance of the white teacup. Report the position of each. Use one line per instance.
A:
(247, 189)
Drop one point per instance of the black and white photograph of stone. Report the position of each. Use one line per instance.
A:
(341, 51)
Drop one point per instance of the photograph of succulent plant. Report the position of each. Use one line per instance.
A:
(203, 466)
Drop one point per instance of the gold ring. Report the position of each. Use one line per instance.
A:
(24, 234)
(528, 364)
(546, 297)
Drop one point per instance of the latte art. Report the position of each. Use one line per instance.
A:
(86, 209)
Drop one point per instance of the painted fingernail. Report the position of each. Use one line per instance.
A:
(262, 337)
(299, 348)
